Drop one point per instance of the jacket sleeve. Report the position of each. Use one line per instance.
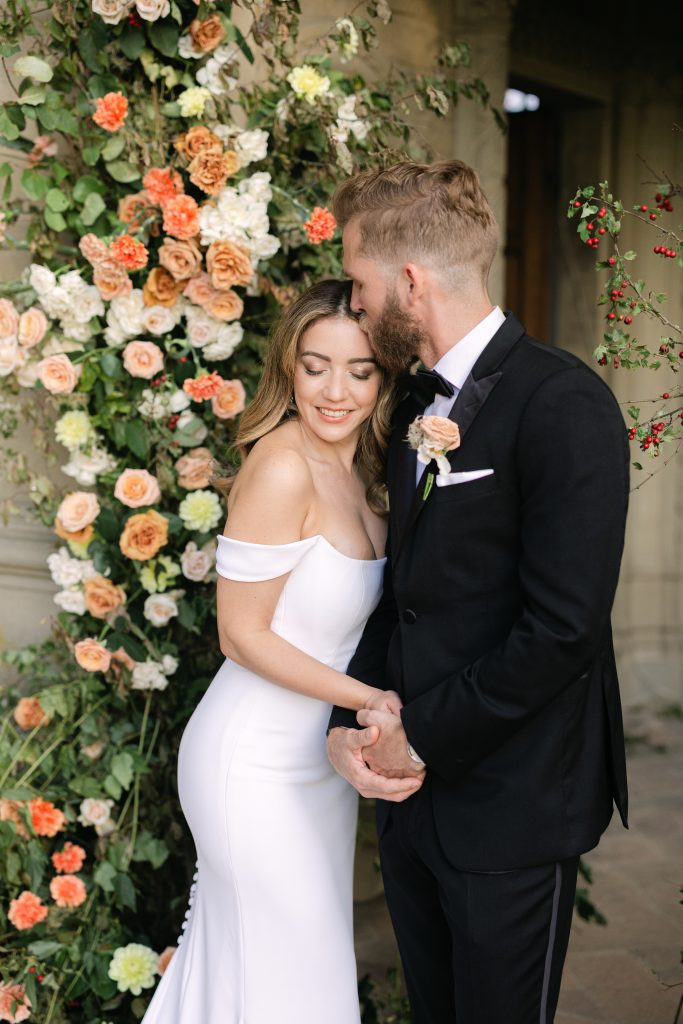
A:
(368, 664)
(572, 464)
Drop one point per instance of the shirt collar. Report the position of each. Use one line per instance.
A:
(456, 364)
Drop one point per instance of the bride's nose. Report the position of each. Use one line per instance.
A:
(335, 386)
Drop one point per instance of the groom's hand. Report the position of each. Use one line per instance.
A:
(388, 756)
(347, 749)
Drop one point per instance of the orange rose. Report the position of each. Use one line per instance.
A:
(78, 509)
(32, 327)
(47, 819)
(161, 288)
(182, 259)
(130, 253)
(209, 170)
(58, 375)
(200, 290)
(136, 488)
(9, 319)
(194, 469)
(162, 184)
(229, 401)
(181, 217)
(111, 279)
(195, 140)
(143, 359)
(225, 306)
(28, 714)
(102, 597)
(207, 34)
(92, 655)
(26, 910)
(67, 891)
(111, 111)
(228, 265)
(69, 859)
(93, 248)
(201, 388)
(9, 811)
(75, 536)
(135, 208)
(144, 535)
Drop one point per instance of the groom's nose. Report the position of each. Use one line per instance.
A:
(356, 304)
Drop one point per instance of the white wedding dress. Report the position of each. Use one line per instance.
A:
(268, 938)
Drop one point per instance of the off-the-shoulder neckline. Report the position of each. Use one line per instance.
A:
(304, 540)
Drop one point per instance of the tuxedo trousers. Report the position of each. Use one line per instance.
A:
(476, 947)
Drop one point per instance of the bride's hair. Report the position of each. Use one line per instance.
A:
(272, 403)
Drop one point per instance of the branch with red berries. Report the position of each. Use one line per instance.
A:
(627, 297)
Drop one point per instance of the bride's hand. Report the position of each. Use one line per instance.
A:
(384, 700)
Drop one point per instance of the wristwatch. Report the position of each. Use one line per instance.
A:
(414, 756)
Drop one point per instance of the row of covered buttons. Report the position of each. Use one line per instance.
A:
(190, 902)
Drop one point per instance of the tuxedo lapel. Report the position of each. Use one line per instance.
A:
(402, 471)
(470, 400)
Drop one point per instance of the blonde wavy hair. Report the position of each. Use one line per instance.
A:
(272, 403)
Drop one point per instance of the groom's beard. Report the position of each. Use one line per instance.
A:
(396, 337)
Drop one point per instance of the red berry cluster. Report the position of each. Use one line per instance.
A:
(618, 306)
(652, 438)
(663, 203)
(662, 250)
(594, 240)
(134, 19)
(39, 977)
(158, 381)
(173, 421)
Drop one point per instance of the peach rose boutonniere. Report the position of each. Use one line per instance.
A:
(432, 437)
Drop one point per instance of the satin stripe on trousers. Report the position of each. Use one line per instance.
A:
(477, 948)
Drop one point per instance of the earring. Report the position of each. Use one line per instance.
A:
(292, 402)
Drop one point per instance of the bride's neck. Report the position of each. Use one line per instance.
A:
(335, 453)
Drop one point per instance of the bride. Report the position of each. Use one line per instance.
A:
(268, 938)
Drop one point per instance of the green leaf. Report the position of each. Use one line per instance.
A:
(54, 220)
(163, 35)
(68, 123)
(132, 42)
(186, 615)
(112, 787)
(122, 171)
(57, 200)
(44, 947)
(90, 46)
(8, 49)
(104, 875)
(630, 255)
(91, 153)
(637, 465)
(34, 95)
(8, 128)
(170, 109)
(108, 525)
(35, 184)
(133, 647)
(33, 67)
(137, 438)
(111, 364)
(85, 185)
(634, 412)
(243, 45)
(124, 890)
(122, 769)
(148, 848)
(113, 147)
(92, 208)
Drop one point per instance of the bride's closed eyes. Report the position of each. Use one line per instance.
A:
(312, 372)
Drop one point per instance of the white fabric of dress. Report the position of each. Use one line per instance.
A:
(268, 938)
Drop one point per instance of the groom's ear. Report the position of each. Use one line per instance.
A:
(413, 281)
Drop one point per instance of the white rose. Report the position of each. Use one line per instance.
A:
(115, 336)
(126, 312)
(196, 562)
(228, 339)
(258, 187)
(85, 468)
(225, 132)
(41, 279)
(67, 571)
(98, 813)
(28, 374)
(148, 675)
(264, 247)
(111, 11)
(186, 48)
(252, 146)
(159, 609)
(71, 601)
(11, 356)
(154, 405)
(179, 401)
(169, 664)
(159, 320)
(201, 328)
(152, 10)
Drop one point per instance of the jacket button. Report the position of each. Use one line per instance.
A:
(409, 616)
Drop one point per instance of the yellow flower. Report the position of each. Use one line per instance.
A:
(309, 83)
(133, 967)
(158, 573)
(200, 511)
(193, 100)
(73, 430)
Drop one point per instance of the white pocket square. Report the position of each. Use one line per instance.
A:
(464, 477)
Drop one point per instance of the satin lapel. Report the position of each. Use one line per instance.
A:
(467, 405)
(401, 473)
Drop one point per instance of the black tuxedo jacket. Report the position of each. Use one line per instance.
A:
(494, 624)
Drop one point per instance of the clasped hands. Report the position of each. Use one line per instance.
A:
(375, 759)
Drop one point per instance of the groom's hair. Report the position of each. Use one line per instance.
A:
(436, 213)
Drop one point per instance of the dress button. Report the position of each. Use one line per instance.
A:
(409, 616)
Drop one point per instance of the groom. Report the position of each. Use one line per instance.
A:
(495, 621)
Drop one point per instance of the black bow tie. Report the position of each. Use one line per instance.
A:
(427, 384)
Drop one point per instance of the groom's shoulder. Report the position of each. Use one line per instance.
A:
(539, 360)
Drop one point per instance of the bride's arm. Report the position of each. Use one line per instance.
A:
(272, 500)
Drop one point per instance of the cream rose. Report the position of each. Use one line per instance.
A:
(183, 260)
(137, 487)
(159, 319)
(58, 374)
(143, 359)
(152, 10)
(159, 609)
(97, 813)
(78, 510)
(11, 356)
(194, 469)
(111, 11)
(32, 327)
(197, 563)
(9, 319)
(92, 656)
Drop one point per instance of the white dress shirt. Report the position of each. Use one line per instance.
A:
(456, 365)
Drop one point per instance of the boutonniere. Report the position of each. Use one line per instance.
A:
(431, 437)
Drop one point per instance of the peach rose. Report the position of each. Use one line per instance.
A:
(122, 656)
(47, 819)
(32, 327)
(228, 265)
(136, 488)
(181, 217)
(77, 510)
(135, 208)
(58, 374)
(208, 33)
(68, 859)
(143, 359)
(67, 891)
(200, 290)
(181, 259)
(442, 432)
(143, 535)
(93, 249)
(161, 288)
(26, 910)
(28, 714)
(75, 536)
(9, 811)
(229, 401)
(9, 319)
(111, 279)
(194, 469)
(165, 958)
(92, 655)
(209, 170)
(102, 597)
(195, 140)
(225, 306)
(15, 1005)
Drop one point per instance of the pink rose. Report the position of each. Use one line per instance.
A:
(77, 511)
(143, 359)
(9, 319)
(442, 432)
(32, 327)
(137, 487)
(58, 374)
(229, 401)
